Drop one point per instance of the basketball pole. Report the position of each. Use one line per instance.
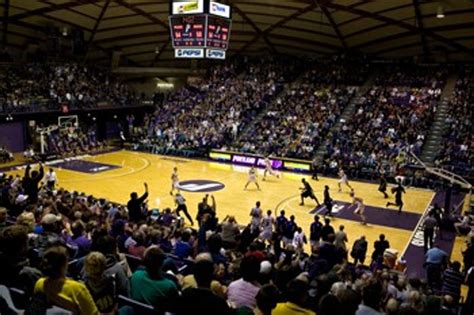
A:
(453, 178)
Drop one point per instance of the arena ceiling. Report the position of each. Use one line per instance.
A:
(139, 28)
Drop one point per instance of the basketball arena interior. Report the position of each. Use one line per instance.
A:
(237, 157)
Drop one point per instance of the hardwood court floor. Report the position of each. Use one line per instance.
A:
(136, 168)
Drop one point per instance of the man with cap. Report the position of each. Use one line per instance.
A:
(51, 225)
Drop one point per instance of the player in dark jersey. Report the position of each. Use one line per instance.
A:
(383, 185)
(327, 200)
(398, 191)
(307, 191)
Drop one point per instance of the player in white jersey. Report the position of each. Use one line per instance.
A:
(256, 213)
(343, 180)
(252, 178)
(51, 179)
(269, 169)
(174, 181)
(268, 222)
(360, 207)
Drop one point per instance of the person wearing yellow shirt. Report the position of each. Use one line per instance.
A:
(297, 296)
(60, 291)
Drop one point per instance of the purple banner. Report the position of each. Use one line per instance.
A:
(12, 136)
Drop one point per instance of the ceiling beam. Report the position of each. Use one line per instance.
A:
(162, 49)
(256, 28)
(380, 40)
(6, 11)
(334, 26)
(413, 29)
(96, 27)
(142, 13)
(419, 19)
(278, 24)
(50, 8)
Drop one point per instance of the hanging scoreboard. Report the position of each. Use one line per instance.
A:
(200, 28)
(188, 31)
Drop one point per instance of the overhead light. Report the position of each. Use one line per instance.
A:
(157, 50)
(64, 31)
(440, 12)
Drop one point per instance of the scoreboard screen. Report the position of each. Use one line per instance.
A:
(218, 32)
(188, 31)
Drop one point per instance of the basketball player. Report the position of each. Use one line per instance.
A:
(268, 222)
(252, 178)
(256, 214)
(343, 180)
(269, 169)
(174, 181)
(307, 191)
(398, 191)
(327, 201)
(360, 207)
(383, 185)
(51, 179)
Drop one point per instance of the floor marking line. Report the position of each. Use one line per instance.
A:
(417, 226)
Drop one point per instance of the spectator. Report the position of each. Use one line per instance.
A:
(150, 286)
(359, 250)
(452, 281)
(372, 294)
(201, 300)
(101, 286)
(59, 290)
(379, 248)
(134, 205)
(242, 292)
(267, 299)
(297, 297)
(435, 260)
(341, 239)
(327, 229)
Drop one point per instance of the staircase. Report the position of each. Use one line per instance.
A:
(348, 111)
(434, 141)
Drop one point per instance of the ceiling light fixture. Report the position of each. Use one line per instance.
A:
(157, 50)
(64, 31)
(440, 12)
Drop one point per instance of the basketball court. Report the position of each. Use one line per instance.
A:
(115, 174)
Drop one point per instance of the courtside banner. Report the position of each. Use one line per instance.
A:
(239, 158)
(189, 53)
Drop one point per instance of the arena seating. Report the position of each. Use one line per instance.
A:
(212, 114)
(296, 124)
(392, 118)
(49, 86)
(457, 154)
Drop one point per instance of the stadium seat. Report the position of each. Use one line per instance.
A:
(129, 306)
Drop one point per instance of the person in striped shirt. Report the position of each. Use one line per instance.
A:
(452, 281)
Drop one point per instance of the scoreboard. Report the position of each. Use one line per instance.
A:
(218, 32)
(200, 28)
(188, 31)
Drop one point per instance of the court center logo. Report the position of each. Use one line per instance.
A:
(200, 185)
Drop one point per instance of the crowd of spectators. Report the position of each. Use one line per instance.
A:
(50, 86)
(213, 112)
(390, 120)
(70, 141)
(90, 256)
(458, 144)
(296, 124)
